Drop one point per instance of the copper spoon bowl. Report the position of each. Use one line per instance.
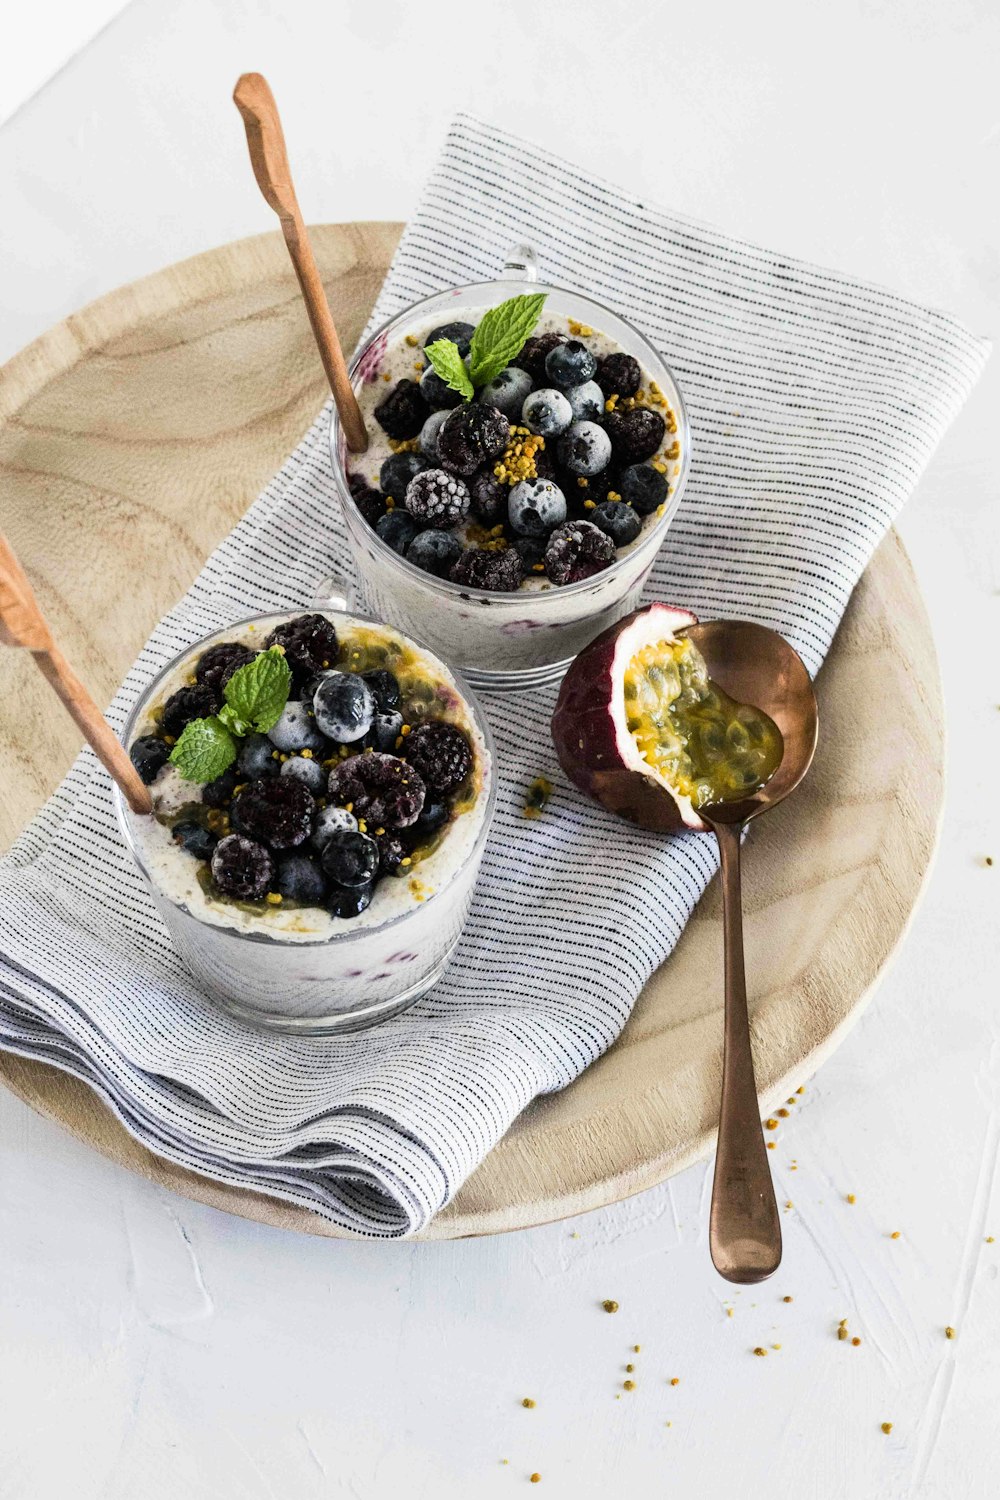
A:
(757, 666)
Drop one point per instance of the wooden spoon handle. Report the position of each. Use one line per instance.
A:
(744, 1229)
(23, 624)
(266, 140)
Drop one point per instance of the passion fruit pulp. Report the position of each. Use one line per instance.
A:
(640, 727)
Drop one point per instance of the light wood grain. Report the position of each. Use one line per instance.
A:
(131, 439)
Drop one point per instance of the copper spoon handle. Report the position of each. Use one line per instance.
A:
(744, 1231)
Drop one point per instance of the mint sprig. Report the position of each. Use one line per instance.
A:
(449, 364)
(501, 334)
(204, 750)
(255, 696)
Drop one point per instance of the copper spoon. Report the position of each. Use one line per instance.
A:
(757, 666)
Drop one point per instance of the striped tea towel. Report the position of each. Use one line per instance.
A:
(815, 403)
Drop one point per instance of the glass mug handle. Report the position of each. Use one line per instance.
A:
(334, 593)
(521, 264)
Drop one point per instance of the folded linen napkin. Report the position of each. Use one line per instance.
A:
(815, 403)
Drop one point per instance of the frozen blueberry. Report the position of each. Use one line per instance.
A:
(149, 754)
(344, 707)
(489, 497)
(385, 730)
(350, 859)
(218, 793)
(577, 550)
(242, 868)
(195, 702)
(433, 818)
(396, 473)
(459, 333)
(616, 520)
(429, 436)
(300, 878)
(481, 568)
(397, 530)
(296, 728)
(546, 412)
(434, 551)
(403, 412)
(219, 662)
(437, 392)
(277, 811)
(644, 487)
(531, 550)
(532, 356)
(618, 375)
(437, 498)
(585, 449)
(384, 687)
(331, 820)
(471, 435)
(342, 902)
(307, 770)
(195, 839)
(258, 758)
(380, 788)
(586, 401)
(570, 364)
(536, 507)
(507, 391)
(635, 434)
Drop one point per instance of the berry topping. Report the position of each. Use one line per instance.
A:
(586, 402)
(149, 754)
(570, 364)
(344, 707)
(397, 529)
(197, 702)
(278, 812)
(643, 487)
(384, 688)
(300, 879)
(458, 333)
(217, 793)
(385, 730)
(434, 551)
(391, 852)
(489, 497)
(577, 550)
(257, 758)
(331, 820)
(531, 550)
(403, 412)
(471, 435)
(310, 643)
(219, 662)
(241, 868)
(308, 771)
(532, 356)
(429, 436)
(547, 412)
(585, 448)
(536, 507)
(635, 434)
(507, 392)
(618, 375)
(442, 755)
(396, 473)
(350, 859)
(433, 818)
(380, 788)
(369, 502)
(195, 839)
(296, 729)
(617, 521)
(437, 498)
(437, 392)
(343, 902)
(479, 568)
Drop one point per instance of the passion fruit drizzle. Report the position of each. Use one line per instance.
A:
(704, 744)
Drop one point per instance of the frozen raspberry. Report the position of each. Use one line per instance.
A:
(197, 702)
(403, 412)
(471, 436)
(241, 868)
(635, 434)
(489, 497)
(218, 663)
(618, 375)
(577, 550)
(532, 356)
(442, 755)
(369, 502)
(437, 498)
(479, 569)
(277, 811)
(310, 643)
(382, 789)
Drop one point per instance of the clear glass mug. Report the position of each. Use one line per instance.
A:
(341, 983)
(505, 642)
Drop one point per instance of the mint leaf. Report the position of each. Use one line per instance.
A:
(502, 333)
(232, 721)
(449, 364)
(257, 693)
(204, 750)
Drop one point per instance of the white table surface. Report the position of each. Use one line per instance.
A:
(153, 1348)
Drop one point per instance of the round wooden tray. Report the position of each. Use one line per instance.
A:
(135, 434)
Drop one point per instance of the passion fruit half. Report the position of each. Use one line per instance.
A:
(640, 727)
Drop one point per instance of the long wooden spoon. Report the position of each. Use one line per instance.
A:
(266, 140)
(23, 624)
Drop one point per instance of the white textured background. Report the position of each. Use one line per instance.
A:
(152, 1348)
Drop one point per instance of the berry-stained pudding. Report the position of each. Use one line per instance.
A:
(321, 791)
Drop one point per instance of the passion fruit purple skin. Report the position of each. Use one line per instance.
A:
(590, 729)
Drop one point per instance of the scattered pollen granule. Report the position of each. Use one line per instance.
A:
(851, 1198)
(786, 1299)
(949, 1332)
(887, 1428)
(770, 1123)
(535, 1478)
(760, 1352)
(675, 1380)
(771, 1146)
(628, 1385)
(894, 1235)
(636, 1348)
(782, 1113)
(610, 1305)
(855, 1342)
(527, 1401)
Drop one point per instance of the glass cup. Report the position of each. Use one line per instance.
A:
(344, 982)
(516, 641)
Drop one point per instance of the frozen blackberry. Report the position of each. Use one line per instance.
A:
(507, 392)
(342, 902)
(478, 568)
(532, 356)
(196, 702)
(586, 402)
(307, 770)
(644, 487)
(536, 507)
(471, 436)
(149, 754)
(437, 498)
(618, 375)
(331, 820)
(396, 473)
(489, 497)
(576, 551)
(547, 412)
(585, 449)
(369, 502)
(438, 394)
(429, 436)
(434, 551)
(296, 728)
(381, 788)
(218, 663)
(391, 852)
(635, 434)
(350, 859)
(194, 839)
(459, 333)
(310, 644)
(569, 364)
(442, 755)
(616, 520)
(277, 812)
(217, 793)
(300, 878)
(384, 688)
(257, 758)
(403, 412)
(242, 868)
(531, 550)
(397, 530)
